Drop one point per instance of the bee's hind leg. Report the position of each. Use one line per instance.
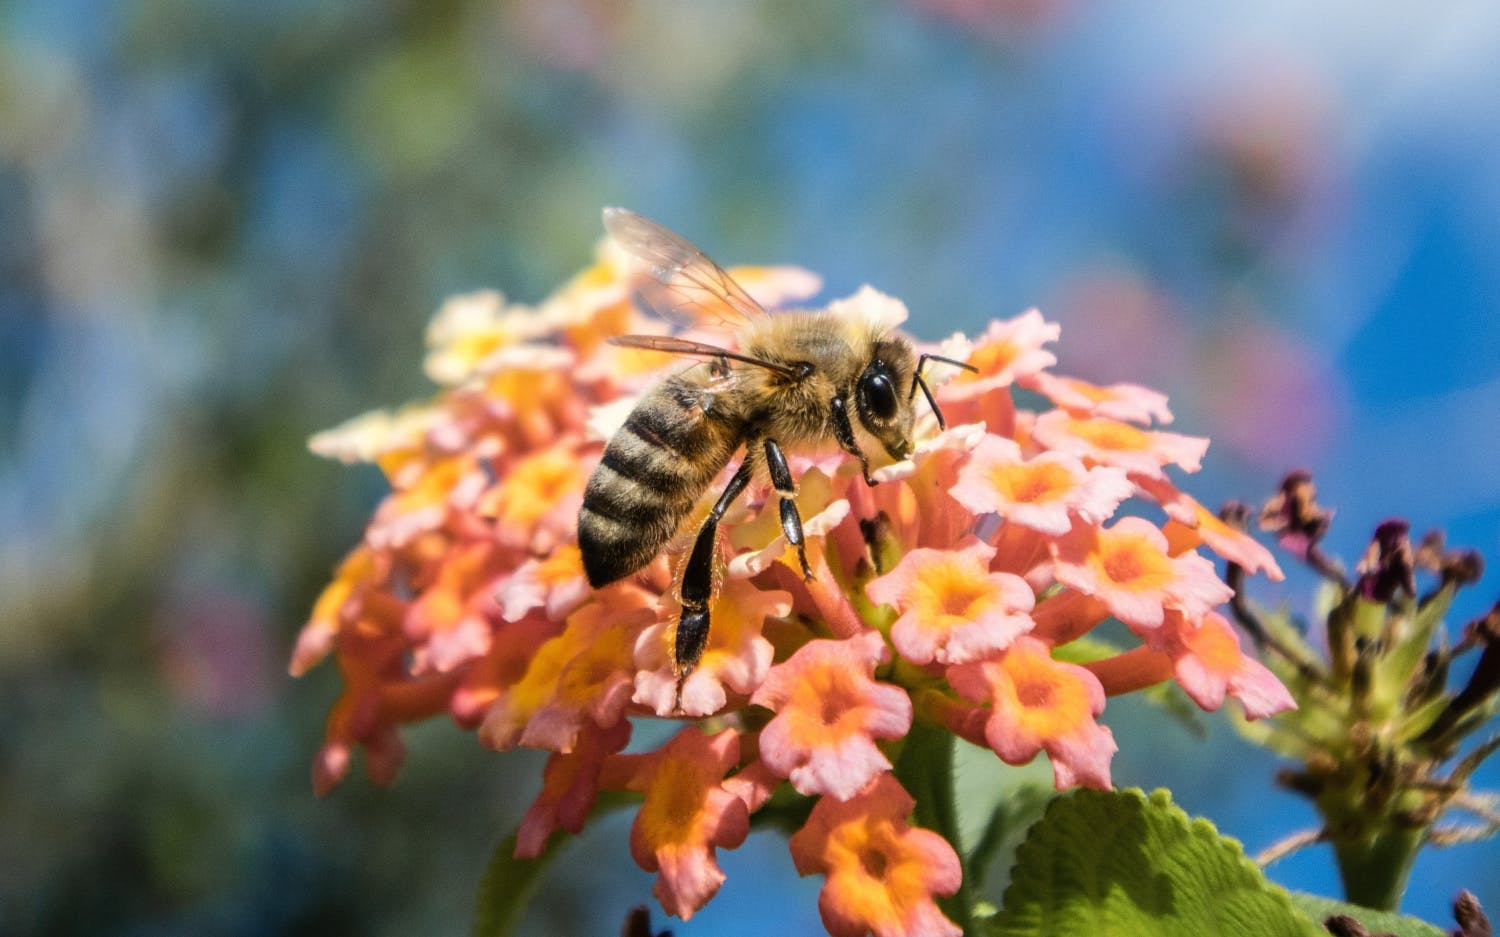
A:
(791, 521)
(697, 586)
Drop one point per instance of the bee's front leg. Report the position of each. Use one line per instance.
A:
(791, 521)
(697, 588)
(843, 431)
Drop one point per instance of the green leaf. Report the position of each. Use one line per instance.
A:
(507, 886)
(1124, 864)
(996, 804)
(508, 883)
(1376, 922)
(1085, 650)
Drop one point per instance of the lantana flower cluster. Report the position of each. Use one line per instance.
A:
(941, 594)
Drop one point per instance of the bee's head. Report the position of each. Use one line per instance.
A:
(881, 395)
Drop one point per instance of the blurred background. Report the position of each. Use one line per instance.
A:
(223, 225)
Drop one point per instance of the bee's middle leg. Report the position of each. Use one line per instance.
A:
(698, 579)
(791, 521)
(843, 431)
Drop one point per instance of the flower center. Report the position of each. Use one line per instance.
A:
(1108, 434)
(953, 590)
(989, 359)
(1132, 561)
(831, 711)
(1033, 484)
(1035, 694)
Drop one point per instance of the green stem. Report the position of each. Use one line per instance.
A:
(1374, 869)
(925, 769)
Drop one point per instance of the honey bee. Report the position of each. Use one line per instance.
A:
(797, 379)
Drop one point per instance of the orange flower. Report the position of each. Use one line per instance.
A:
(1040, 704)
(1005, 352)
(881, 874)
(556, 584)
(1209, 665)
(953, 609)
(1110, 442)
(1192, 524)
(735, 660)
(1131, 403)
(485, 680)
(1128, 569)
(686, 815)
(1042, 493)
(452, 620)
(829, 711)
(378, 696)
(535, 505)
(570, 785)
(584, 675)
(450, 484)
(471, 329)
(337, 598)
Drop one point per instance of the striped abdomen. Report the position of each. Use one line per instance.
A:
(652, 472)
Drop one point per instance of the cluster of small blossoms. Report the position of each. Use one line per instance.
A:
(939, 594)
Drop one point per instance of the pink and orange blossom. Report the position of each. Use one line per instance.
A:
(829, 712)
(938, 596)
(880, 874)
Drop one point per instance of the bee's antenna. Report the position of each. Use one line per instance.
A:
(918, 381)
(927, 392)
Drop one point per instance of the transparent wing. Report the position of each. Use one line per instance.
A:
(684, 282)
(681, 346)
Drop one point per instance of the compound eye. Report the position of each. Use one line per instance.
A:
(880, 396)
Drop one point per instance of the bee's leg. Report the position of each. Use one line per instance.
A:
(697, 586)
(843, 431)
(718, 368)
(791, 521)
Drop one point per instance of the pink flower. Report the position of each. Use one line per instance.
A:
(1007, 351)
(735, 660)
(1209, 665)
(1110, 442)
(685, 816)
(1127, 567)
(467, 595)
(1039, 704)
(556, 584)
(829, 711)
(570, 785)
(1042, 493)
(881, 874)
(1131, 403)
(953, 609)
(1193, 524)
(450, 622)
